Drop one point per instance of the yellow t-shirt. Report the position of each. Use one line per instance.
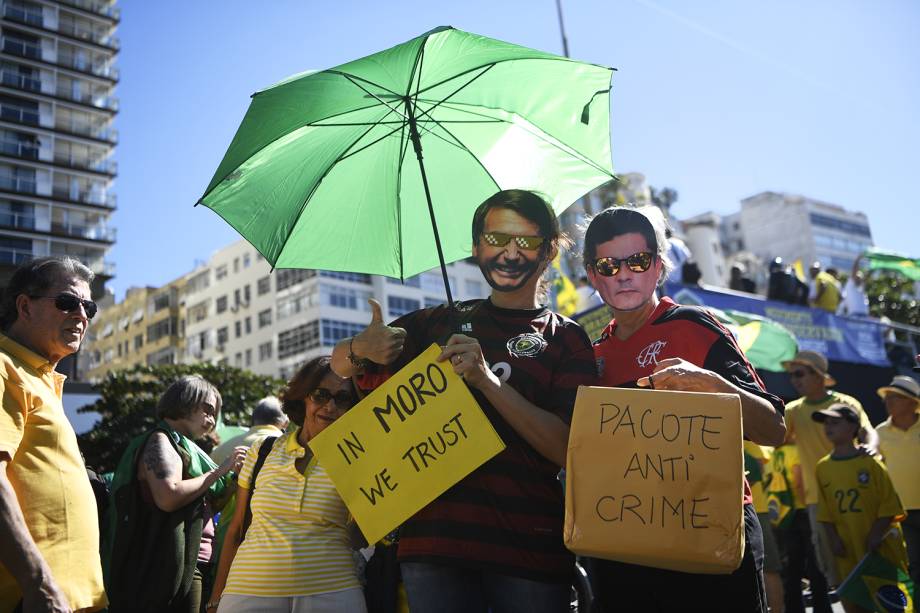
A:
(756, 476)
(901, 452)
(49, 478)
(784, 460)
(852, 494)
(297, 543)
(830, 298)
(809, 435)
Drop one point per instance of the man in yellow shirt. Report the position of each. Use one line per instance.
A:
(49, 531)
(809, 376)
(899, 444)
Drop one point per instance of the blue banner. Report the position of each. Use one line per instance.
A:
(845, 339)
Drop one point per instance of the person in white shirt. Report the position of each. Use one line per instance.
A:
(854, 303)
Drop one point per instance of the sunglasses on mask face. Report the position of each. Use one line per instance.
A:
(498, 239)
(342, 398)
(637, 262)
(69, 303)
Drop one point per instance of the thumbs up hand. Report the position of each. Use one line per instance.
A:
(379, 342)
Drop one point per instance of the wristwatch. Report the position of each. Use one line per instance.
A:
(355, 360)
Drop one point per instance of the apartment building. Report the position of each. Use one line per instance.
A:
(239, 312)
(57, 77)
(145, 328)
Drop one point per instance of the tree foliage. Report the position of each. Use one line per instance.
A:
(893, 295)
(128, 400)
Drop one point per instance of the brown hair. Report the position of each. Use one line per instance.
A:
(531, 207)
(302, 385)
(185, 394)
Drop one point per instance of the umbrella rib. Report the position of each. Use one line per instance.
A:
(453, 93)
(370, 144)
(354, 78)
(474, 156)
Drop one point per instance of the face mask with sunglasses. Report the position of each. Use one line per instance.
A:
(342, 398)
(69, 303)
(498, 239)
(637, 262)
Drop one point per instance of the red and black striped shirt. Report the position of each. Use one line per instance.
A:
(507, 515)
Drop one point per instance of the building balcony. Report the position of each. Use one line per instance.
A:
(109, 167)
(20, 185)
(102, 102)
(103, 9)
(19, 149)
(79, 32)
(21, 48)
(22, 15)
(94, 233)
(10, 78)
(14, 257)
(18, 114)
(83, 197)
(84, 128)
(81, 64)
(17, 221)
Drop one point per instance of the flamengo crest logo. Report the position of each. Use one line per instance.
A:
(649, 355)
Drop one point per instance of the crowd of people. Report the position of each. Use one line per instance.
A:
(259, 526)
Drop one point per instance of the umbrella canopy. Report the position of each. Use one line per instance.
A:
(326, 171)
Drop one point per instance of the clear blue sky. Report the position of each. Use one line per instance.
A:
(719, 100)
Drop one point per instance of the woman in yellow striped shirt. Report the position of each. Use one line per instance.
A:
(296, 555)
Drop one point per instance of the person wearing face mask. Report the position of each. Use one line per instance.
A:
(295, 555)
(49, 534)
(494, 540)
(659, 344)
(163, 493)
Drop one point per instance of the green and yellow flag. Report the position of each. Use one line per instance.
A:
(877, 584)
(878, 259)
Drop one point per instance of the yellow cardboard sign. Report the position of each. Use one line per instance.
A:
(405, 444)
(656, 478)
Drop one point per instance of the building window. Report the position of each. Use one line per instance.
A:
(160, 329)
(161, 302)
(238, 360)
(265, 351)
(264, 285)
(433, 302)
(138, 342)
(297, 302)
(334, 331)
(410, 282)
(236, 298)
(247, 325)
(398, 305)
(265, 318)
(246, 294)
(221, 304)
(343, 297)
(236, 264)
(248, 360)
(346, 276)
(198, 312)
(299, 339)
(223, 335)
(288, 277)
(473, 289)
(246, 262)
(238, 328)
(220, 272)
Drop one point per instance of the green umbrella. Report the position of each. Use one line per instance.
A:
(377, 165)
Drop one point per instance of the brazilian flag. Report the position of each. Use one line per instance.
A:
(877, 584)
(780, 497)
(878, 259)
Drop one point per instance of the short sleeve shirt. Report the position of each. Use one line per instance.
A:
(49, 477)
(809, 434)
(901, 451)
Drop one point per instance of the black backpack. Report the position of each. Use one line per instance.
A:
(264, 449)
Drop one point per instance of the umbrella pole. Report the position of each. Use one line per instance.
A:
(417, 145)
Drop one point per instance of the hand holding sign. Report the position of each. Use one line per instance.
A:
(465, 355)
(379, 342)
(680, 375)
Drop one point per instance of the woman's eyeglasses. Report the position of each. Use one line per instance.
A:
(637, 262)
(70, 303)
(497, 239)
(342, 398)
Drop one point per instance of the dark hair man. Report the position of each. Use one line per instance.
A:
(49, 533)
(494, 540)
(662, 345)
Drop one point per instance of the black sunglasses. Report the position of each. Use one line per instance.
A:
(499, 239)
(798, 374)
(70, 303)
(637, 262)
(342, 398)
